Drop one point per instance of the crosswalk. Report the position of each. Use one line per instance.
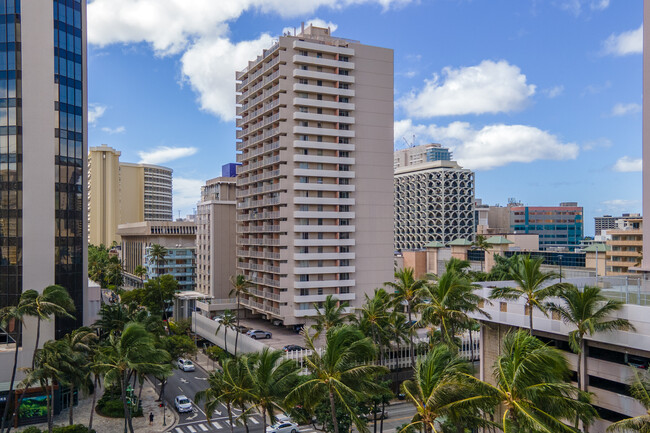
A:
(220, 425)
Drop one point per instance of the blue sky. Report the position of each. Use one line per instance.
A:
(541, 97)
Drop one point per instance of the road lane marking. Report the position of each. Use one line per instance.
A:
(191, 429)
(178, 430)
(203, 427)
(254, 421)
(216, 425)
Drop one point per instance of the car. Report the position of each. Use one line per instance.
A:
(243, 329)
(185, 364)
(293, 348)
(218, 319)
(183, 404)
(283, 427)
(258, 333)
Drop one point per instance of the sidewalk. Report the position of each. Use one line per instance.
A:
(114, 425)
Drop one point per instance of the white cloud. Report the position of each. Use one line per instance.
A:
(187, 192)
(599, 5)
(600, 143)
(316, 22)
(209, 67)
(117, 130)
(620, 203)
(165, 154)
(554, 91)
(627, 164)
(624, 109)
(490, 87)
(630, 42)
(575, 6)
(491, 146)
(95, 111)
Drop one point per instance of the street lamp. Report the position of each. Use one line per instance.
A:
(164, 414)
(560, 259)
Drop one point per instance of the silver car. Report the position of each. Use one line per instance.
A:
(183, 404)
(283, 427)
(258, 333)
(185, 364)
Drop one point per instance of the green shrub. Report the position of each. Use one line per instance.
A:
(113, 408)
(32, 429)
(77, 428)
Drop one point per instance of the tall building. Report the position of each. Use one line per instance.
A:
(626, 246)
(180, 263)
(420, 154)
(434, 200)
(315, 202)
(122, 193)
(607, 222)
(558, 227)
(216, 237)
(42, 186)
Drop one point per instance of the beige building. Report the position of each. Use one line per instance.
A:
(315, 189)
(216, 237)
(121, 193)
(625, 247)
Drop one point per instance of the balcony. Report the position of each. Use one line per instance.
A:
(322, 89)
(323, 145)
(319, 61)
(259, 242)
(298, 115)
(314, 46)
(258, 229)
(323, 256)
(323, 104)
(323, 242)
(322, 298)
(323, 270)
(312, 312)
(245, 180)
(323, 76)
(258, 216)
(323, 159)
(323, 173)
(324, 201)
(323, 187)
(323, 284)
(323, 229)
(330, 132)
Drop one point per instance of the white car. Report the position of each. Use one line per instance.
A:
(183, 404)
(283, 427)
(185, 364)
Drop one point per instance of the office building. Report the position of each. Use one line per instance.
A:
(626, 246)
(121, 193)
(607, 222)
(315, 202)
(216, 237)
(137, 237)
(180, 263)
(559, 227)
(43, 142)
(434, 200)
(414, 155)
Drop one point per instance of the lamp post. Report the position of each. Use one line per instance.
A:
(164, 414)
(560, 258)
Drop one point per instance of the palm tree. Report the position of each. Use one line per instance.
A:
(273, 377)
(97, 370)
(132, 352)
(532, 285)
(240, 287)
(532, 388)
(79, 346)
(157, 254)
(373, 319)
(588, 311)
(640, 390)
(407, 290)
(140, 271)
(440, 390)
(447, 303)
(480, 243)
(341, 371)
(228, 321)
(12, 316)
(457, 265)
(331, 315)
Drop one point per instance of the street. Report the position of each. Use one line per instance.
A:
(189, 383)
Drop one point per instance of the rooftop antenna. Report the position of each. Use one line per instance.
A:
(411, 144)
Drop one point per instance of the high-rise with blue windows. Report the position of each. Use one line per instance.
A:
(43, 146)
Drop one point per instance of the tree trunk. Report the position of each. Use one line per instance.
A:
(383, 409)
(232, 427)
(530, 316)
(408, 307)
(71, 403)
(140, 392)
(163, 382)
(237, 335)
(335, 421)
(374, 417)
(263, 419)
(11, 394)
(50, 421)
(92, 407)
(127, 409)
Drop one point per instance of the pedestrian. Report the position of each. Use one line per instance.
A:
(150, 418)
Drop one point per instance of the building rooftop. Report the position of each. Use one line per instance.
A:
(498, 240)
(460, 243)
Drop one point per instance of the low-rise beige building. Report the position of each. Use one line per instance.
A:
(216, 237)
(626, 247)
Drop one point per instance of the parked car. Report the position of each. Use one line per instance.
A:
(258, 333)
(283, 427)
(243, 329)
(185, 364)
(218, 319)
(293, 348)
(183, 404)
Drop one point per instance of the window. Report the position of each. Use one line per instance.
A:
(304, 67)
(344, 154)
(344, 127)
(343, 72)
(319, 208)
(344, 208)
(344, 167)
(304, 208)
(344, 181)
(344, 194)
(319, 97)
(319, 111)
(344, 276)
(344, 99)
(344, 222)
(304, 137)
(344, 290)
(304, 179)
(305, 151)
(319, 82)
(344, 249)
(344, 140)
(319, 180)
(344, 113)
(319, 138)
(344, 262)
(320, 221)
(304, 123)
(344, 86)
(303, 53)
(320, 291)
(304, 278)
(319, 55)
(344, 235)
(304, 81)
(303, 164)
(344, 59)
(304, 292)
(319, 263)
(305, 235)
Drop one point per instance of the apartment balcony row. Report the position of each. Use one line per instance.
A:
(329, 76)
(300, 115)
(253, 127)
(323, 159)
(321, 298)
(325, 145)
(313, 270)
(245, 180)
(323, 256)
(274, 187)
(259, 242)
(254, 63)
(259, 98)
(267, 148)
(259, 112)
(261, 163)
(323, 242)
(315, 186)
(261, 137)
(319, 61)
(308, 102)
(324, 48)
(333, 228)
(326, 132)
(258, 254)
(316, 214)
(268, 79)
(264, 294)
(307, 172)
(265, 281)
(323, 284)
(267, 228)
(310, 88)
(324, 201)
(257, 267)
(257, 216)
(311, 312)
(261, 306)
